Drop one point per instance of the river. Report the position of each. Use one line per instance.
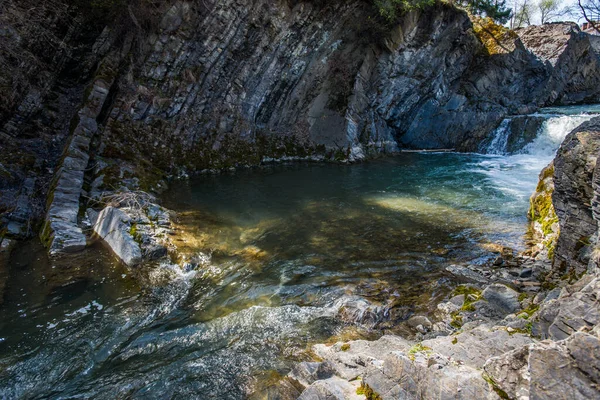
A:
(289, 255)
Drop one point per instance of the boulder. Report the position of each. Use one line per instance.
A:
(308, 372)
(502, 298)
(114, 226)
(420, 321)
(548, 370)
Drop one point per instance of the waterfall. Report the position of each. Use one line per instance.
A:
(552, 130)
(500, 137)
(526, 144)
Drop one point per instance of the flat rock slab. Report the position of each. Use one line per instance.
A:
(350, 360)
(425, 375)
(474, 347)
(333, 388)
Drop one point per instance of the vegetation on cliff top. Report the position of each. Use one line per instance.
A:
(494, 9)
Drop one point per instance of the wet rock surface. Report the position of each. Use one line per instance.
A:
(114, 226)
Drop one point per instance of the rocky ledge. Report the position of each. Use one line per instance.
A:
(525, 327)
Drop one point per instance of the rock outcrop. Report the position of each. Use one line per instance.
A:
(215, 85)
(537, 370)
(134, 227)
(61, 231)
(575, 199)
(544, 227)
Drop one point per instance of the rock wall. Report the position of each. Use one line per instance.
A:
(575, 198)
(213, 85)
(48, 54)
(238, 84)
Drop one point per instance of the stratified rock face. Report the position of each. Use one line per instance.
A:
(61, 232)
(573, 310)
(238, 84)
(218, 84)
(575, 198)
(568, 369)
(47, 56)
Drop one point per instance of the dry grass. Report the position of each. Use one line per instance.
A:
(136, 200)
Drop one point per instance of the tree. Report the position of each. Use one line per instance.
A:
(590, 10)
(495, 9)
(522, 15)
(552, 10)
(391, 9)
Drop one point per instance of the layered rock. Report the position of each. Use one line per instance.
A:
(61, 231)
(537, 370)
(47, 55)
(575, 199)
(134, 227)
(315, 82)
(220, 84)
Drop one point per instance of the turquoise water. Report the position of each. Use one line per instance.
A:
(288, 256)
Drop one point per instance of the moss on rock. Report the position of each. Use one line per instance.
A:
(543, 226)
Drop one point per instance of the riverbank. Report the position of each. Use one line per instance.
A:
(269, 262)
(490, 341)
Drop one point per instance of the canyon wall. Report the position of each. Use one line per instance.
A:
(213, 85)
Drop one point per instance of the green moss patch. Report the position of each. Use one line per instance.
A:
(418, 348)
(471, 294)
(366, 391)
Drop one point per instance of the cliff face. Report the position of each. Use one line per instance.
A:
(565, 209)
(576, 199)
(222, 84)
(327, 79)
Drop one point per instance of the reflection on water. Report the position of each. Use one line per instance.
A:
(287, 256)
